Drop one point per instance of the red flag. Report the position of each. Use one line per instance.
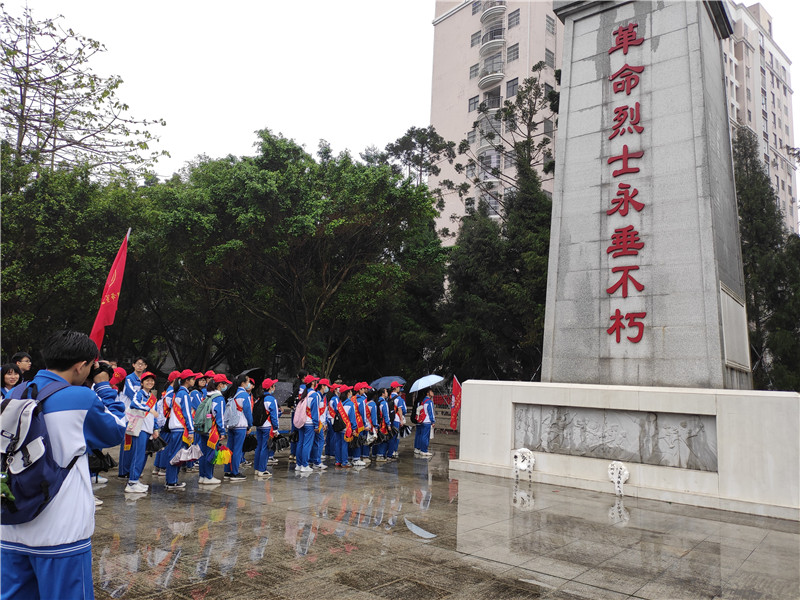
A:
(455, 404)
(108, 303)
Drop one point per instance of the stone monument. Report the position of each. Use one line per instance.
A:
(645, 346)
(645, 283)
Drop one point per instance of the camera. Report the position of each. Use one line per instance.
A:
(100, 367)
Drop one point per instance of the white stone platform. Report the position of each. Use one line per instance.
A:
(757, 442)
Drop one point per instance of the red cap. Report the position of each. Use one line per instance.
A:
(344, 389)
(268, 383)
(309, 379)
(210, 373)
(396, 384)
(173, 375)
(198, 375)
(119, 375)
(187, 374)
(147, 374)
(335, 386)
(325, 382)
(220, 378)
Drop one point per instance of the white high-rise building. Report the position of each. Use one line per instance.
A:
(759, 89)
(482, 52)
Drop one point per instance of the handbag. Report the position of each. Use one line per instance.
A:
(250, 443)
(136, 418)
(100, 461)
(155, 445)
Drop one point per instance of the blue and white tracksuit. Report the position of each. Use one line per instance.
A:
(263, 433)
(423, 435)
(204, 464)
(373, 413)
(137, 454)
(237, 433)
(400, 409)
(308, 432)
(176, 431)
(383, 417)
(51, 555)
(132, 385)
(161, 460)
(319, 436)
(271, 404)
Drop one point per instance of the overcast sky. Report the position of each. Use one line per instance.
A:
(353, 72)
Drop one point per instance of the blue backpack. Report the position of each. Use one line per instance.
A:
(32, 474)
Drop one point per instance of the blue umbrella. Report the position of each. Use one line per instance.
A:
(425, 382)
(385, 382)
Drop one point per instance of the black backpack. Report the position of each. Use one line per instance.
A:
(259, 412)
(414, 407)
(34, 476)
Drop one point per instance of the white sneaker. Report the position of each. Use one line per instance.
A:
(97, 501)
(417, 451)
(201, 480)
(263, 474)
(212, 481)
(306, 469)
(99, 479)
(359, 463)
(321, 466)
(426, 454)
(135, 488)
(366, 460)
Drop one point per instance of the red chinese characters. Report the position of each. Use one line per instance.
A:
(626, 241)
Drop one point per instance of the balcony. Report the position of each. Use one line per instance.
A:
(494, 38)
(493, 8)
(491, 73)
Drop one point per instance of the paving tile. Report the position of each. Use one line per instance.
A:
(408, 529)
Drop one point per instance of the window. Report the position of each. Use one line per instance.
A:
(550, 24)
(471, 170)
(513, 53)
(471, 136)
(473, 71)
(475, 39)
(511, 87)
(549, 58)
(749, 95)
(510, 159)
(513, 18)
(547, 89)
(548, 128)
(783, 184)
(476, 7)
(749, 116)
(473, 103)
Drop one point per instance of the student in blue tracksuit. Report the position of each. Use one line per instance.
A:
(329, 415)
(384, 424)
(214, 388)
(372, 413)
(181, 426)
(143, 403)
(133, 384)
(319, 438)
(164, 410)
(308, 431)
(425, 420)
(274, 413)
(264, 431)
(51, 555)
(359, 400)
(341, 439)
(398, 418)
(238, 432)
(301, 393)
(196, 396)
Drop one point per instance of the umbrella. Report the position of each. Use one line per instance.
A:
(425, 382)
(257, 374)
(385, 382)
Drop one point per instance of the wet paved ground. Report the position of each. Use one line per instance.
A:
(406, 530)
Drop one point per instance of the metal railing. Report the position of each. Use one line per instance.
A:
(490, 67)
(492, 3)
(496, 33)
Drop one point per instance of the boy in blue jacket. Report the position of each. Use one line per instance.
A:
(51, 555)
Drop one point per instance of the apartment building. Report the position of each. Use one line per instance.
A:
(483, 51)
(760, 97)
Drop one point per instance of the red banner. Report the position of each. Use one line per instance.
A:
(455, 406)
(108, 303)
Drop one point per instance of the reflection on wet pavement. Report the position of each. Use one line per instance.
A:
(406, 530)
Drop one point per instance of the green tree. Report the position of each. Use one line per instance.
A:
(772, 277)
(55, 111)
(419, 152)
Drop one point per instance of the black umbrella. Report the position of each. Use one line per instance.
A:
(257, 374)
(385, 382)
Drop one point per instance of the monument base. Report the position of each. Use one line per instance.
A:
(725, 449)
